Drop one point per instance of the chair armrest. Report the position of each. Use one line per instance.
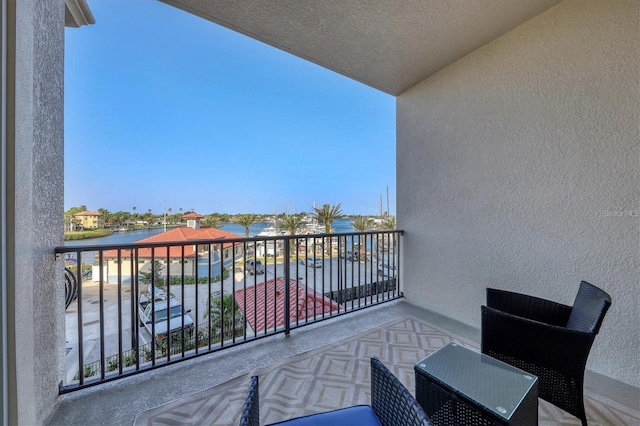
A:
(250, 412)
(530, 307)
(534, 342)
(391, 401)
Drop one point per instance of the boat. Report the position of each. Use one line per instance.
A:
(311, 227)
(271, 230)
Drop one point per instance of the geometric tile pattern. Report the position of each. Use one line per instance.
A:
(338, 375)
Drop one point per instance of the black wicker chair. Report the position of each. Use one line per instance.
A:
(251, 411)
(391, 405)
(391, 401)
(547, 339)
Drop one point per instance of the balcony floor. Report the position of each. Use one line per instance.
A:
(119, 402)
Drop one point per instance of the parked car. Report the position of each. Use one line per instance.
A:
(158, 293)
(386, 271)
(167, 313)
(353, 256)
(254, 266)
(313, 262)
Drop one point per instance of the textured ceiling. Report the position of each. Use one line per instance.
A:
(387, 44)
(77, 13)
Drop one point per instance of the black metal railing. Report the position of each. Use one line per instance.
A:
(140, 306)
(70, 287)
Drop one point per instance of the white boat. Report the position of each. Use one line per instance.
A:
(311, 227)
(271, 231)
(268, 231)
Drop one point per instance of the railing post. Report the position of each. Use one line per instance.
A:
(287, 287)
(133, 308)
(80, 321)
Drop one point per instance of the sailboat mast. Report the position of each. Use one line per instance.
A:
(388, 212)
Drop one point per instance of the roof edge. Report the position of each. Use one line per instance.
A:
(77, 14)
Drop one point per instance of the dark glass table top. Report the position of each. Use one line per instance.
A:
(493, 384)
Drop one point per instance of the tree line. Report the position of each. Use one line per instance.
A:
(291, 223)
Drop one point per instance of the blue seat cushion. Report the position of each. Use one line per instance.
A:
(356, 415)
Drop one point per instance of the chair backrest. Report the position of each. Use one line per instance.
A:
(588, 309)
(251, 412)
(391, 401)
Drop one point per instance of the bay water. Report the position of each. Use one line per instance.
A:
(339, 225)
(128, 237)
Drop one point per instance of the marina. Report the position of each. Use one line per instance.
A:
(127, 237)
(259, 229)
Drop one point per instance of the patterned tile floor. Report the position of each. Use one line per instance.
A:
(337, 375)
(187, 387)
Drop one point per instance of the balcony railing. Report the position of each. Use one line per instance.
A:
(142, 306)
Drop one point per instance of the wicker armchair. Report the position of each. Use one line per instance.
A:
(391, 401)
(251, 411)
(391, 405)
(547, 339)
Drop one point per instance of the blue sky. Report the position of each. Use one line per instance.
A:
(163, 105)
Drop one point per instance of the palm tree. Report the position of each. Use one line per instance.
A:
(388, 224)
(148, 217)
(362, 224)
(292, 224)
(154, 275)
(222, 310)
(134, 212)
(105, 214)
(327, 214)
(212, 221)
(246, 220)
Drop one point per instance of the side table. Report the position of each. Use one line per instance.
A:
(457, 386)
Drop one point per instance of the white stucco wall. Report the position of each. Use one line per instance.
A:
(518, 168)
(35, 201)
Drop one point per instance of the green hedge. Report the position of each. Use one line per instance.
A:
(83, 235)
(190, 279)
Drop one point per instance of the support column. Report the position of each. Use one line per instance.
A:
(4, 394)
(34, 202)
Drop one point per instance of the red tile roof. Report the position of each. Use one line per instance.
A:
(211, 233)
(304, 302)
(178, 235)
(87, 213)
(192, 215)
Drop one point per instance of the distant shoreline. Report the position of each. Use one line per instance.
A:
(105, 232)
(83, 235)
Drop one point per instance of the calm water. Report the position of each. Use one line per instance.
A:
(340, 225)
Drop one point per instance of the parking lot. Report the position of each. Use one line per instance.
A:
(116, 316)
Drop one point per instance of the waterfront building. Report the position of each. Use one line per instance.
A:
(87, 220)
(192, 260)
(193, 219)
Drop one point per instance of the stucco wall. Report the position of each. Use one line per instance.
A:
(36, 217)
(518, 168)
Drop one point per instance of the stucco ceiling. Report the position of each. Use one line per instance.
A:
(77, 13)
(387, 44)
